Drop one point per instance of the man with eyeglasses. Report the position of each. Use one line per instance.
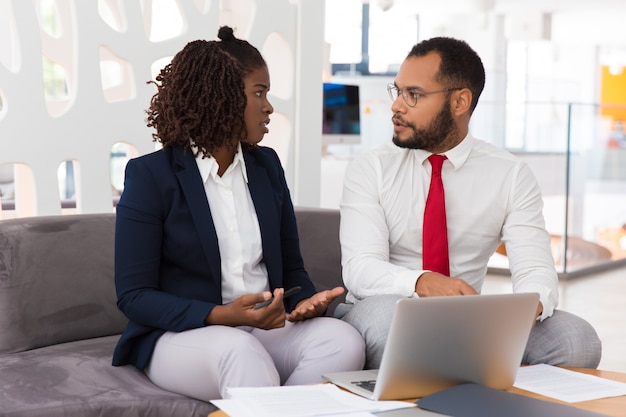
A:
(490, 197)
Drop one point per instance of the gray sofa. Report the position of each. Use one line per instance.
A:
(59, 322)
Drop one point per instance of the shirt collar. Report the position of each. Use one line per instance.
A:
(208, 166)
(457, 155)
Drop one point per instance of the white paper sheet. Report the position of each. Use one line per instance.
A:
(565, 385)
(300, 401)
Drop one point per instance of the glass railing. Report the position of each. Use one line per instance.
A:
(578, 154)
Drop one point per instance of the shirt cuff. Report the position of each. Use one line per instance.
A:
(405, 284)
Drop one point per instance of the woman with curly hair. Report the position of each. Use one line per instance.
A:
(206, 230)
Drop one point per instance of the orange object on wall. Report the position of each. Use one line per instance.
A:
(613, 94)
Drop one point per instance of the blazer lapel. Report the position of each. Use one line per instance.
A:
(193, 189)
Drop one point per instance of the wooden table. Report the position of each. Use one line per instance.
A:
(614, 406)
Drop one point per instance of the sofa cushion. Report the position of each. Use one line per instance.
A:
(77, 379)
(56, 280)
(318, 229)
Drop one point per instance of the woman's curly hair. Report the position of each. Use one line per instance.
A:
(200, 94)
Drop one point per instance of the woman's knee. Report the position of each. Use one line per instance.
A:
(201, 363)
(344, 340)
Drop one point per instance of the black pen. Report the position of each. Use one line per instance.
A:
(289, 292)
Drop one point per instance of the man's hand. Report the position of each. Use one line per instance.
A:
(315, 305)
(432, 284)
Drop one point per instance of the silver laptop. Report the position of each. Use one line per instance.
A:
(438, 342)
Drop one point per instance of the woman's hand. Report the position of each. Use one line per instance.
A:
(315, 305)
(241, 311)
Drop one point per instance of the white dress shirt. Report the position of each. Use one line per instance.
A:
(237, 227)
(491, 196)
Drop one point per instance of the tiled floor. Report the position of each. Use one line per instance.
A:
(599, 298)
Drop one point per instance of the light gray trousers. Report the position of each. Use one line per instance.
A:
(201, 363)
(562, 339)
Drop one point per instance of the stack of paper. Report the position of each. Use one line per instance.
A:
(565, 385)
(300, 401)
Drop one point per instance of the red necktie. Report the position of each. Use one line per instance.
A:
(435, 230)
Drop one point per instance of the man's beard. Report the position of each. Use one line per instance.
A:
(433, 135)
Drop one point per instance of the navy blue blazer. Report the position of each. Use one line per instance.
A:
(167, 260)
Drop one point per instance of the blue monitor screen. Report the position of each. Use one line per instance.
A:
(341, 110)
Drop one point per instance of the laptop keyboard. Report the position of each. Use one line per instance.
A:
(368, 385)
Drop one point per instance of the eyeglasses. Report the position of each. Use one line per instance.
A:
(409, 94)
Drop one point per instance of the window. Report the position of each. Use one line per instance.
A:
(366, 39)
